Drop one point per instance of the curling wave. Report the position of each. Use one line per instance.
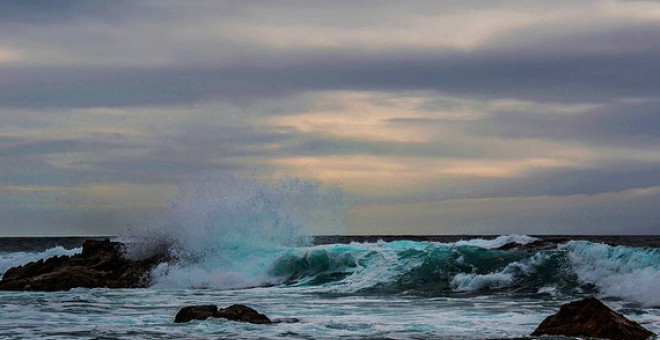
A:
(429, 268)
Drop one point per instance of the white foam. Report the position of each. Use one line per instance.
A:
(498, 241)
(225, 231)
(467, 282)
(550, 290)
(623, 272)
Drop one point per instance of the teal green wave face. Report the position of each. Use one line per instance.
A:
(434, 269)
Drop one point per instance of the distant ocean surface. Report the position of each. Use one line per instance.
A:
(392, 287)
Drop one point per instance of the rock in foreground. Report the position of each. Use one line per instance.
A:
(234, 313)
(591, 318)
(101, 264)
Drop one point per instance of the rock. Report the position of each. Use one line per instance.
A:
(101, 264)
(591, 318)
(242, 313)
(544, 244)
(187, 314)
(234, 313)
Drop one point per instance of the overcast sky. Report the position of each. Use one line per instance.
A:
(432, 117)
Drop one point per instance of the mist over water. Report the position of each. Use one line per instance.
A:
(225, 230)
(231, 232)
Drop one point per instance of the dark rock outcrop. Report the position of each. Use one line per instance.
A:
(101, 264)
(591, 318)
(234, 313)
(187, 314)
(540, 244)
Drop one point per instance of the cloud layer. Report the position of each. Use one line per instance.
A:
(434, 118)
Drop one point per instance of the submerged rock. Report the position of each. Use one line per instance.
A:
(234, 313)
(591, 318)
(101, 264)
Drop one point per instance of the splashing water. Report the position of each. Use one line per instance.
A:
(226, 230)
(440, 269)
(229, 232)
(400, 289)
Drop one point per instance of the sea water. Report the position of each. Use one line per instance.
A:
(397, 290)
(241, 241)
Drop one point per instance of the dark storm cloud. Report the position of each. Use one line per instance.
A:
(57, 11)
(547, 76)
(43, 147)
(195, 149)
(622, 124)
(306, 144)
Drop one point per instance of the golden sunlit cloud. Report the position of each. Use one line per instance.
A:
(407, 174)
(364, 116)
(9, 56)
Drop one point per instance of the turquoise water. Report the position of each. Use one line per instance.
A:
(244, 241)
(148, 313)
(397, 290)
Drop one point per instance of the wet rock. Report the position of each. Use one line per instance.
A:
(591, 318)
(242, 313)
(234, 313)
(190, 313)
(101, 264)
(286, 320)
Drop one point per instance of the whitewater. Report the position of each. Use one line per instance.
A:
(247, 242)
(401, 289)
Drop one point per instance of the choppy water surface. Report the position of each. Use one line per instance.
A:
(148, 313)
(401, 289)
(230, 235)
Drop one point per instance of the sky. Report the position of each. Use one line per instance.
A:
(432, 117)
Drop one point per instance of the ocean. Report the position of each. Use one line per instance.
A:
(349, 287)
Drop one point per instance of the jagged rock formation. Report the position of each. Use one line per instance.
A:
(101, 264)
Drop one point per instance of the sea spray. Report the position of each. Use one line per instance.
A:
(224, 230)
(618, 271)
(498, 241)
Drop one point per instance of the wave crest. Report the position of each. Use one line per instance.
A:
(224, 231)
(430, 268)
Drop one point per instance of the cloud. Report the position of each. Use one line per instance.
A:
(609, 213)
(205, 52)
(635, 123)
(578, 78)
(447, 107)
(34, 11)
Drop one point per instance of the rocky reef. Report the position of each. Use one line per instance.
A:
(239, 313)
(101, 264)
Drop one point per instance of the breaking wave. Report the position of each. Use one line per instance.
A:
(225, 231)
(230, 232)
(429, 268)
